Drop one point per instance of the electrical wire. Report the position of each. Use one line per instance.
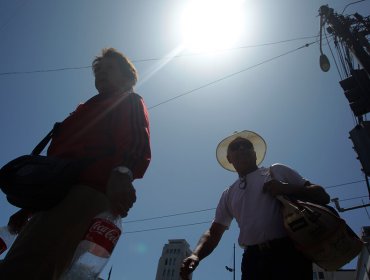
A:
(13, 14)
(154, 59)
(332, 54)
(352, 198)
(351, 4)
(209, 209)
(344, 184)
(43, 71)
(169, 227)
(199, 223)
(171, 215)
(229, 76)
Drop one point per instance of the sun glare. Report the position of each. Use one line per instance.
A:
(212, 24)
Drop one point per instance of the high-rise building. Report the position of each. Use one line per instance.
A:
(169, 263)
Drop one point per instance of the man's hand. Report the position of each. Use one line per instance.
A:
(188, 266)
(275, 187)
(120, 193)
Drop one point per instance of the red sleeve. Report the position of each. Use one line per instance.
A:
(135, 141)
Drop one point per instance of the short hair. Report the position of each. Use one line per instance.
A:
(127, 67)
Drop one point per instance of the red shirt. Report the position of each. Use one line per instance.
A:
(110, 130)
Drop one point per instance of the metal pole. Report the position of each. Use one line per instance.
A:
(234, 264)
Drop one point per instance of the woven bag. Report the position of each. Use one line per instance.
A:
(319, 233)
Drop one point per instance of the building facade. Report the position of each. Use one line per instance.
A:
(170, 262)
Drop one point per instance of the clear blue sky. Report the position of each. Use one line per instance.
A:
(299, 110)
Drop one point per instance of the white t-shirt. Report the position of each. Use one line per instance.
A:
(257, 213)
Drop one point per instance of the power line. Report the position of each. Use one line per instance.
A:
(231, 75)
(159, 228)
(153, 59)
(199, 223)
(171, 215)
(207, 222)
(351, 4)
(344, 184)
(209, 209)
(193, 90)
(17, 9)
(43, 71)
(352, 198)
(231, 49)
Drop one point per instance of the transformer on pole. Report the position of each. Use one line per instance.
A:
(350, 36)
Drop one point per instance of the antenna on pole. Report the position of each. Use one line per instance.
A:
(233, 268)
(234, 264)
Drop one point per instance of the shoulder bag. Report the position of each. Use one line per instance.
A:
(319, 233)
(38, 182)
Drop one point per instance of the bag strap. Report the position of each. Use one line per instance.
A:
(282, 198)
(41, 146)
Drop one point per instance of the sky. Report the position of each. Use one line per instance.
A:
(263, 79)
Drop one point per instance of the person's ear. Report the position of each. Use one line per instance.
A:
(255, 155)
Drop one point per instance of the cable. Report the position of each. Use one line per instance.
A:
(13, 14)
(171, 215)
(352, 198)
(209, 209)
(340, 185)
(332, 54)
(229, 76)
(159, 228)
(43, 71)
(151, 59)
(199, 223)
(351, 4)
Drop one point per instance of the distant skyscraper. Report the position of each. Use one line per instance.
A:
(170, 262)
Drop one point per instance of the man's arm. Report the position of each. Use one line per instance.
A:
(136, 153)
(136, 157)
(207, 243)
(308, 192)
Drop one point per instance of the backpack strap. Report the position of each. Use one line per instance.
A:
(41, 146)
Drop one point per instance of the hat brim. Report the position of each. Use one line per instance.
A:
(258, 142)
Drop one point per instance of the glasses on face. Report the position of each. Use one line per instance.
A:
(235, 146)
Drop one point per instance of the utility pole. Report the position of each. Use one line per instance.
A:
(349, 34)
(233, 268)
(234, 264)
(343, 27)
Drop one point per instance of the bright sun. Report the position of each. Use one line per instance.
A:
(212, 24)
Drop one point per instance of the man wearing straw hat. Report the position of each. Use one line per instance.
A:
(269, 253)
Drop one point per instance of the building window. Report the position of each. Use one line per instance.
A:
(321, 275)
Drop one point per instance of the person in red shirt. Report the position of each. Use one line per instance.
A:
(111, 132)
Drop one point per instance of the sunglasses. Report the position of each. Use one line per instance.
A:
(235, 146)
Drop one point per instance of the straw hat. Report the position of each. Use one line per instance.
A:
(258, 143)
